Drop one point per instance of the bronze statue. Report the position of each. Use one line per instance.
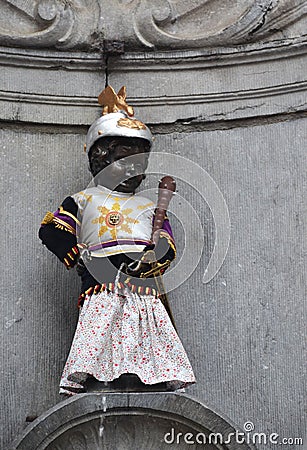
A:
(121, 245)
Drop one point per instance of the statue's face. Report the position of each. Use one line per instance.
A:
(127, 159)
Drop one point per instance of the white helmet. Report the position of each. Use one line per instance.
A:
(117, 120)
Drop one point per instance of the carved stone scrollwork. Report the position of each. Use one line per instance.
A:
(48, 23)
(162, 24)
(209, 23)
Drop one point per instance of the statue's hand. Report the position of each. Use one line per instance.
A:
(147, 266)
(138, 268)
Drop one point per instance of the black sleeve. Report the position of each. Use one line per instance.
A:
(57, 238)
(164, 251)
(59, 242)
(70, 205)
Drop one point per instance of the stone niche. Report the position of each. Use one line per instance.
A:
(220, 83)
(128, 422)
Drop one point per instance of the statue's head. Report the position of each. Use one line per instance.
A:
(117, 144)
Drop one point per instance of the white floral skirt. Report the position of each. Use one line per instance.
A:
(125, 334)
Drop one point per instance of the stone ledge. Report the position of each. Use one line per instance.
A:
(224, 84)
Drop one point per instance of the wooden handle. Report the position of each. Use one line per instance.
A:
(167, 187)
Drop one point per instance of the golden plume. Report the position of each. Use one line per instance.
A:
(112, 102)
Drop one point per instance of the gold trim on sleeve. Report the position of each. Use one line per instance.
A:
(170, 241)
(63, 225)
(49, 216)
(63, 211)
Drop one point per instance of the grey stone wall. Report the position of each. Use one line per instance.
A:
(237, 111)
(244, 331)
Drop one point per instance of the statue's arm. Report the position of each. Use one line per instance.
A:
(58, 232)
(166, 249)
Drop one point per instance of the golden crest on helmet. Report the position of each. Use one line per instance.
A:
(112, 102)
(131, 123)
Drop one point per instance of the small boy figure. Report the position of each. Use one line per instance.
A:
(105, 231)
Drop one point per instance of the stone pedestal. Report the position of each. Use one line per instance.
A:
(129, 421)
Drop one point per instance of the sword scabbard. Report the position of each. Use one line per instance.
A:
(156, 272)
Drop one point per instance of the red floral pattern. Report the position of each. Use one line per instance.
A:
(126, 334)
